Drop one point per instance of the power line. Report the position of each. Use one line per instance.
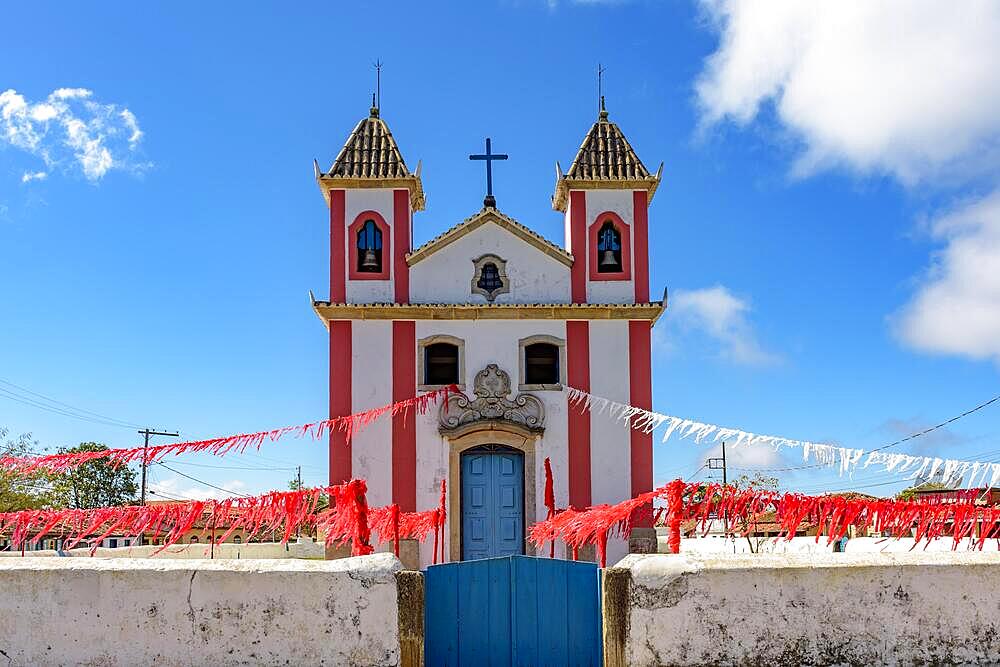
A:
(67, 405)
(201, 481)
(11, 396)
(206, 465)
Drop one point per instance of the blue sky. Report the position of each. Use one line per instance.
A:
(828, 224)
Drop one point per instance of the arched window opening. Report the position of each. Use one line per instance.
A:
(541, 363)
(194, 539)
(489, 278)
(369, 248)
(237, 539)
(441, 364)
(609, 249)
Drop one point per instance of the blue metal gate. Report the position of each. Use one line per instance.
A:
(516, 610)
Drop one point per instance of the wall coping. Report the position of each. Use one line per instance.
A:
(378, 565)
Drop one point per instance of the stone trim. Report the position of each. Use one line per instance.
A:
(541, 338)
(490, 433)
(421, 367)
(327, 311)
(501, 264)
(476, 221)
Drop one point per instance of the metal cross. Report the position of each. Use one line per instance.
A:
(489, 156)
(378, 83)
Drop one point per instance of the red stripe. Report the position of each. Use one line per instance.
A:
(401, 244)
(338, 277)
(578, 243)
(640, 245)
(404, 425)
(578, 375)
(340, 398)
(641, 396)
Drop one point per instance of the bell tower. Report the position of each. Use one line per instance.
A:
(372, 196)
(605, 196)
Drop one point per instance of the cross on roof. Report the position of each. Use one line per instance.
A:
(489, 156)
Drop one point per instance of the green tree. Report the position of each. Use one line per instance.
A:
(96, 483)
(909, 492)
(748, 525)
(19, 491)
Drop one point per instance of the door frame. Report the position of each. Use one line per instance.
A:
(489, 433)
(494, 448)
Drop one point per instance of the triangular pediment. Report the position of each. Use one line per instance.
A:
(484, 217)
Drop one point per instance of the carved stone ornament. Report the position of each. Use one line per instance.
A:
(491, 388)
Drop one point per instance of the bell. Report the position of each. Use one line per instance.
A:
(608, 258)
(369, 262)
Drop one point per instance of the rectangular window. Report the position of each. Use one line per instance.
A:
(541, 363)
(441, 364)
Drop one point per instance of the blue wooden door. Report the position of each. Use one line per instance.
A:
(513, 611)
(492, 504)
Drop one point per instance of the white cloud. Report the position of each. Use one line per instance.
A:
(724, 318)
(29, 176)
(70, 130)
(174, 488)
(746, 456)
(905, 87)
(957, 309)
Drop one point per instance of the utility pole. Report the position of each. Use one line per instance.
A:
(719, 463)
(146, 432)
(298, 530)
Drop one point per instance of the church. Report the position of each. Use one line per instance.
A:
(510, 318)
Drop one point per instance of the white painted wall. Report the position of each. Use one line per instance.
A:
(860, 609)
(619, 202)
(61, 611)
(446, 275)
(307, 549)
(486, 343)
(610, 455)
(906, 545)
(357, 202)
(721, 545)
(371, 387)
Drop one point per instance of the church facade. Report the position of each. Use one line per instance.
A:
(508, 316)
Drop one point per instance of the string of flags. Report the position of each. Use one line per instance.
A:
(348, 424)
(846, 459)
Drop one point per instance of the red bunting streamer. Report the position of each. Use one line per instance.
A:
(739, 510)
(282, 512)
(348, 424)
(550, 502)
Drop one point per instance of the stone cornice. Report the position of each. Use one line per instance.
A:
(411, 183)
(563, 185)
(327, 311)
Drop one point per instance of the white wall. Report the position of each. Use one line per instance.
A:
(446, 275)
(740, 545)
(60, 611)
(610, 444)
(486, 343)
(619, 202)
(860, 609)
(371, 387)
(357, 202)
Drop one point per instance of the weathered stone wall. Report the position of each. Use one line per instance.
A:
(59, 611)
(305, 549)
(820, 609)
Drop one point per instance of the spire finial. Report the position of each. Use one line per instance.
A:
(602, 113)
(377, 95)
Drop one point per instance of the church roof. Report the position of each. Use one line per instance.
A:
(327, 311)
(605, 160)
(476, 221)
(370, 152)
(371, 158)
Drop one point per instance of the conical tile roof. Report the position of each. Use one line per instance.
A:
(605, 160)
(606, 154)
(370, 152)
